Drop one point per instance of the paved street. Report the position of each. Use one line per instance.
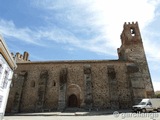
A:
(70, 116)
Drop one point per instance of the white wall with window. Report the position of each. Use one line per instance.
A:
(7, 66)
(5, 81)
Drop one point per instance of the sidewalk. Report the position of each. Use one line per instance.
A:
(84, 113)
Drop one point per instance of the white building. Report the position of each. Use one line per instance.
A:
(7, 66)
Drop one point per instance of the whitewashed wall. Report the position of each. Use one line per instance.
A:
(5, 82)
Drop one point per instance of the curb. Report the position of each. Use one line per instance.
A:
(91, 113)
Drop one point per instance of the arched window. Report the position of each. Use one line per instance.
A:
(32, 83)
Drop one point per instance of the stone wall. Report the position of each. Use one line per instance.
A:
(90, 81)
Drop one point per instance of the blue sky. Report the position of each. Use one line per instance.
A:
(79, 29)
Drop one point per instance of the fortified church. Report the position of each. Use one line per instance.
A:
(85, 84)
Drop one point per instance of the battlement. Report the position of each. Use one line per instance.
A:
(21, 58)
(129, 23)
(131, 41)
(131, 34)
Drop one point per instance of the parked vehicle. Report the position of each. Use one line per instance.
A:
(147, 105)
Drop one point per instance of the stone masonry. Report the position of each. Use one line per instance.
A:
(88, 84)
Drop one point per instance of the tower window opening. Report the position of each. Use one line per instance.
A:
(133, 32)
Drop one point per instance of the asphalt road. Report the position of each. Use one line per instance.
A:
(115, 116)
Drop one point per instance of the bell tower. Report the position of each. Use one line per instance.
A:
(131, 43)
(132, 50)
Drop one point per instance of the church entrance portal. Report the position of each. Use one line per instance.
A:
(72, 101)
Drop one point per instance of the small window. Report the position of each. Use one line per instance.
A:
(5, 79)
(54, 83)
(32, 84)
(1, 67)
(1, 98)
(133, 32)
(149, 103)
(111, 73)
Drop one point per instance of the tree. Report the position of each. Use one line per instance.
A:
(157, 95)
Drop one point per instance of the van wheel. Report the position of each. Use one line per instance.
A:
(143, 110)
(158, 109)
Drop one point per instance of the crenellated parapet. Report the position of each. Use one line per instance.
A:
(130, 34)
(21, 58)
(130, 23)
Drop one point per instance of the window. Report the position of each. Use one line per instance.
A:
(111, 72)
(133, 32)
(54, 83)
(1, 70)
(1, 98)
(32, 83)
(2, 66)
(4, 73)
(149, 103)
(5, 79)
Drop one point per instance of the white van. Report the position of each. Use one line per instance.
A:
(147, 105)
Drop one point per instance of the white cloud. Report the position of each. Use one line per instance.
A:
(93, 25)
(156, 86)
(151, 49)
(113, 13)
(105, 17)
(101, 17)
(8, 29)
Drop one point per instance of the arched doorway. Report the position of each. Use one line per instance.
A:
(74, 95)
(72, 101)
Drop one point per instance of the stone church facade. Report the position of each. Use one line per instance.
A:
(87, 84)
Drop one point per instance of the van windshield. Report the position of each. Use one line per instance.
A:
(142, 103)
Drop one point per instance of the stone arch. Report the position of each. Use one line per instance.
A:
(74, 93)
